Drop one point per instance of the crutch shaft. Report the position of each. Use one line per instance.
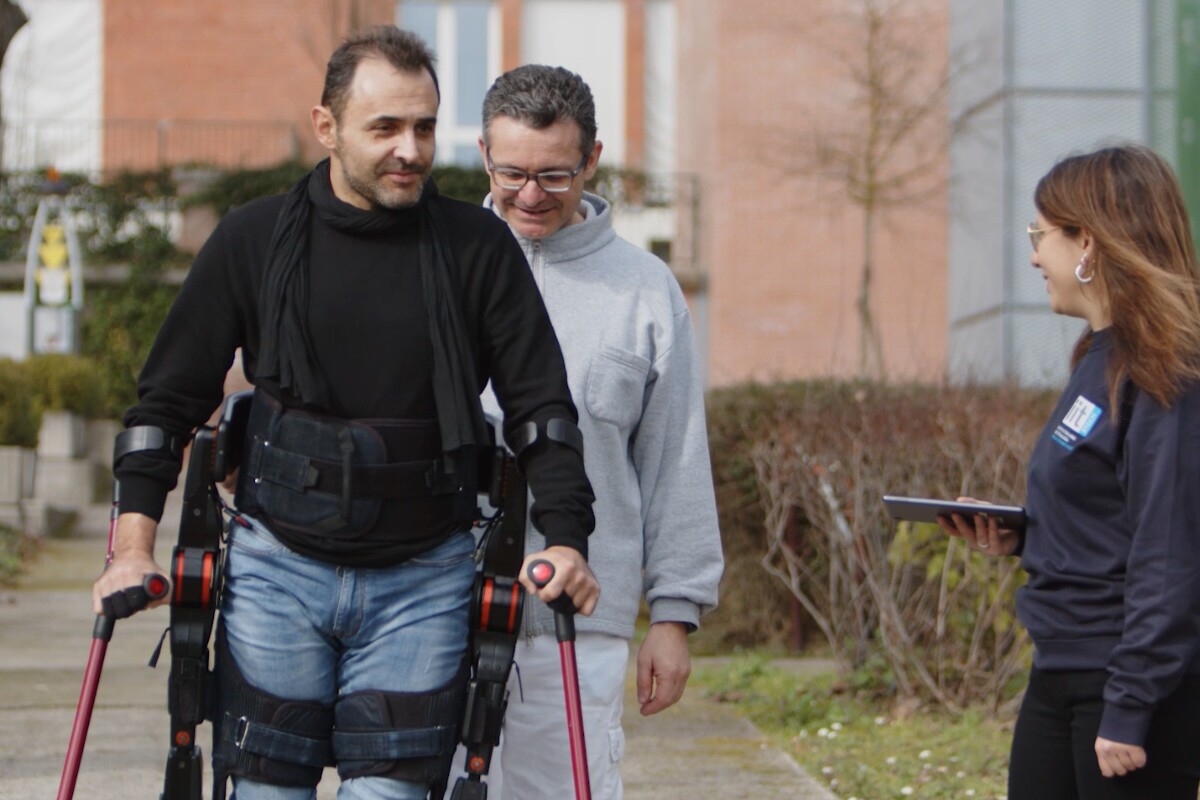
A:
(83, 718)
(541, 572)
(152, 588)
(579, 762)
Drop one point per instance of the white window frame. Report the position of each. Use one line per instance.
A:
(452, 135)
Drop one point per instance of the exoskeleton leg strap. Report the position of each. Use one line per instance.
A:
(400, 735)
(265, 738)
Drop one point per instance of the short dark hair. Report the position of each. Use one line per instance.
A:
(539, 96)
(404, 50)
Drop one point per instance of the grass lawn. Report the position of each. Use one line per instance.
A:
(863, 747)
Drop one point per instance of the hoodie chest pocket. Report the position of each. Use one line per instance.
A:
(616, 384)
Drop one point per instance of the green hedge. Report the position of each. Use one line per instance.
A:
(118, 327)
(121, 220)
(20, 418)
(232, 189)
(50, 382)
(69, 383)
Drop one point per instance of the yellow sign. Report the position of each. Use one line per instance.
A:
(53, 279)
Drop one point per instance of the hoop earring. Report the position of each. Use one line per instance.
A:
(1079, 272)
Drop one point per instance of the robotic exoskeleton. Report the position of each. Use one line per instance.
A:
(288, 742)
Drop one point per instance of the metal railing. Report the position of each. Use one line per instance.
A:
(663, 209)
(103, 147)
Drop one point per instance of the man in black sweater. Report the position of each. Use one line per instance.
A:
(371, 313)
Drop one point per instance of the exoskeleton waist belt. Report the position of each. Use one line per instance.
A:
(301, 472)
(324, 475)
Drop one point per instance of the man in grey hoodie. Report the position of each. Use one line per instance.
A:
(626, 334)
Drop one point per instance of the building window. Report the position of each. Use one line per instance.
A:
(465, 35)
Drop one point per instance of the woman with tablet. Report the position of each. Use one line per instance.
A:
(1112, 536)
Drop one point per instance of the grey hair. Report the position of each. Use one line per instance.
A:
(539, 96)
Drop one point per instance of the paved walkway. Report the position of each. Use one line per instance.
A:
(697, 748)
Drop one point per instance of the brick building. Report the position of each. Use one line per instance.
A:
(756, 115)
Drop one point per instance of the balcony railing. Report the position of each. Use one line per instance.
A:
(658, 211)
(104, 147)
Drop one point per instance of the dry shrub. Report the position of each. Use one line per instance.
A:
(754, 611)
(816, 459)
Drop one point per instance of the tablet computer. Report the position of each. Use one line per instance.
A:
(925, 509)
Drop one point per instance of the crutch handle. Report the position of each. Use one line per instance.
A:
(541, 572)
(128, 602)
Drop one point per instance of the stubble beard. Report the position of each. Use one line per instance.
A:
(380, 197)
(370, 185)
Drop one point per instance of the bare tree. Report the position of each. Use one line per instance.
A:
(886, 147)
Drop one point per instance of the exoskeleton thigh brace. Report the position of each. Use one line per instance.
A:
(401, 735)
(265, 738)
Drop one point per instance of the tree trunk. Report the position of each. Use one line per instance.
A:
(870, 347)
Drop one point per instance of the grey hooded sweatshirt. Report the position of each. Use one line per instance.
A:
(626, 335)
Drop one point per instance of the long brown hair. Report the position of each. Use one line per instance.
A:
(1143, 259)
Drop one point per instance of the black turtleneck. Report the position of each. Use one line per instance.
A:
(367, 318)
(370, 334)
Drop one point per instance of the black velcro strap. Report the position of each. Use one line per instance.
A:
(557, 429)
(263, 737)
(391, 745)
(565, 432)
(524, 436)
(145, 437)
(270, 742)
(408, 736)
(408, 479)
(300, 473)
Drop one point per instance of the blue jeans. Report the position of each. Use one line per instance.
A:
(307, 630)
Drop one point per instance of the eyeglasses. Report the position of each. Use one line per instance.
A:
(1036, 234)
(553, 181)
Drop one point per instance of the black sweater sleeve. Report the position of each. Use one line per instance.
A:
(518, 351)
(182, 381)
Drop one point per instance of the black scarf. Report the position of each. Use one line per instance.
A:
(286, 353)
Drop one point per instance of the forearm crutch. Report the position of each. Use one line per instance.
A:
(116, 606)
(541, 572)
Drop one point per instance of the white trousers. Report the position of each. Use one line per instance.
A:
(533, 761)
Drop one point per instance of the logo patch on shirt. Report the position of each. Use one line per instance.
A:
(1078, 422)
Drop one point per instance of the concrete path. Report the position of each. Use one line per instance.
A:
(697, 748)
